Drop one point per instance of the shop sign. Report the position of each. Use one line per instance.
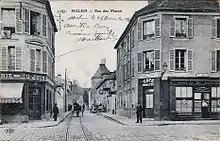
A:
(195, 83)
(148, 82)
(21, 76)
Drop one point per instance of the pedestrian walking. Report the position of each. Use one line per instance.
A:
(139, 110)
(83, 108)
(55, 112)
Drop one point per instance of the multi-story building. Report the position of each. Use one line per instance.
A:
(168, 59)
(107, 91)
(27, 52)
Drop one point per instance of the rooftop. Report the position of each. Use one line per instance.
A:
(172, 5)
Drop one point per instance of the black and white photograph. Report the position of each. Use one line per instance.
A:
(114, 70)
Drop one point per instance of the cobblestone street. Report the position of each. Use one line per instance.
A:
(98, 128)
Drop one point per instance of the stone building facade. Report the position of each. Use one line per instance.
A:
(168, 60)
(27, 64)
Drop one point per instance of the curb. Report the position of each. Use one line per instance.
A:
(56, 124)
(159, 124)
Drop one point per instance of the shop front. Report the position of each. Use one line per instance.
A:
(23, 96)
(195, 97)
(146, 96)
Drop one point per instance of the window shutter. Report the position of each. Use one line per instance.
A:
(157, 59)
(44, 23)
(157, 27)
(44, 61)
(190, 27)
(214, 28)
(140, 31)
(171, 60)
(4, 57)
(190, 60)
(172, 27)
(213, 63)
(32, 59)
(18, 27)
(0, 58)
(18, 57)
(26, 14)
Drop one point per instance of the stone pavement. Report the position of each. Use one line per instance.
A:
(151, 122)
(37, 123)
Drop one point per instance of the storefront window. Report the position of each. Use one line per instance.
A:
(215, 92)
(215, 107)
(183, 92)
(184, 106)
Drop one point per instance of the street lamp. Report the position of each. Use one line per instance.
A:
(164, 67)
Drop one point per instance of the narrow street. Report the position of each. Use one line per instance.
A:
(98, 128)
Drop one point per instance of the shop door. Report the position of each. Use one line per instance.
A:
(35, 104)
(201, 99)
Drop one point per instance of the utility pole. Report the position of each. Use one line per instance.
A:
(65, 99)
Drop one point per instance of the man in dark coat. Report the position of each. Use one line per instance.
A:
(55, 112)
(83, 108)
(139, 110)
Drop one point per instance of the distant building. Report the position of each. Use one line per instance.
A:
(168, 60)
(60, 98)
(106, 89)
(98, 76)
(27, 64)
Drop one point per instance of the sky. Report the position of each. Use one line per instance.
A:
(90, 29)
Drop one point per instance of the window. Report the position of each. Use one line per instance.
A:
(181, 27)
(149, 101)
(152, 60)
(184, 99)
(149, 60)
(184, 106)
(38, 60)
(139, 62)
(183, 92)
(180, 59)
(11, 58)
(35, 23)
(216, 92)
(149, 29)
(8, 18)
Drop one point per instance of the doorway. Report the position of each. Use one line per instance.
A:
(202, 104)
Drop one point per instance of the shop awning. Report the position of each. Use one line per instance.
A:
(11, 92)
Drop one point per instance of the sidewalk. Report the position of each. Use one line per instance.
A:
(152, 122)
(37, 123)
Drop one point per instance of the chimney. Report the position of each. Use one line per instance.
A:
(103, 61)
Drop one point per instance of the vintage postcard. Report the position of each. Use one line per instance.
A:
(75, 70)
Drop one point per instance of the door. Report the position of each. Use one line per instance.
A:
(201, 111)
(34, 103)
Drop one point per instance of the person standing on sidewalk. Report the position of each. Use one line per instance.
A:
(83, 108)
(139, 110)
(55, 112)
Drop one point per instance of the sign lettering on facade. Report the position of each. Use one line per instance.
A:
(21, 76)
(148, 82)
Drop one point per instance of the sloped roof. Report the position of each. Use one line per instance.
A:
(101, 70)
(110, 77)
(172, 5)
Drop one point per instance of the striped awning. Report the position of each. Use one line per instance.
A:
(11, 92)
